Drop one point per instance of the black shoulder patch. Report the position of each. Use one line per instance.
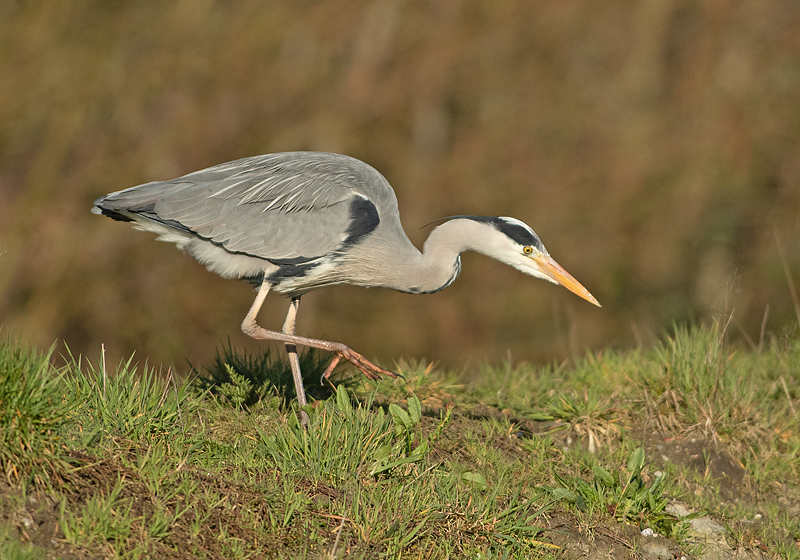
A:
(364, 219)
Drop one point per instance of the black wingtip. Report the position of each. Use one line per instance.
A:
(98, 209)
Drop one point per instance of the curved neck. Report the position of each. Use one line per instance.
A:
(439, 264)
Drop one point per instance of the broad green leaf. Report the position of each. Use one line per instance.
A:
(343, 401)
(379, 467)
(636, 462)
(564, 494)
(383, 452)
(475, 479)
(402, 421)
(421, 450)
(694, 515)
(603, 476)
(584, 487)
(414, 409)
(655, 488)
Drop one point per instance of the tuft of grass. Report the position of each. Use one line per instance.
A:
(434, 388)
(589, 417)
(33, 408)
(696, 382)
(131, 402)
(345, 442)
(12, 549)
(105, 520)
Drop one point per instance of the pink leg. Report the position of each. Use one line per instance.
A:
(294, 361)
(253, 330)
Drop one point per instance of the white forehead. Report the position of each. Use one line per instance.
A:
(517, 222)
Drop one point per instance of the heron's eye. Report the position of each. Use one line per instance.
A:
(527, 250)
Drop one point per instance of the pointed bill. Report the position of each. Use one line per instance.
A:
(552, 269)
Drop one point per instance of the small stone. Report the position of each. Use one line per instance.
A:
(701, 527)
(678, 510)
(705, 526)
(648, 532)
(656, 549)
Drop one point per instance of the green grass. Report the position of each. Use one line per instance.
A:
(134, 403)
(33, 404)
(246, 379)
(517, 462)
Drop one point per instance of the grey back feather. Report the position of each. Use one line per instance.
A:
(293, 205)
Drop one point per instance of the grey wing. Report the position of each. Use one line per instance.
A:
(281, 207)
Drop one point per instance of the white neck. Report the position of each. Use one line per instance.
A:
(439, 263)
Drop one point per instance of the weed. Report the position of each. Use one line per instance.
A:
(406, 429)
(591, 418)
(248, 378)
(344, 441)
(435, 389)
(623, 494)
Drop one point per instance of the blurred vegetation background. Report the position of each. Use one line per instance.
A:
(654, 146)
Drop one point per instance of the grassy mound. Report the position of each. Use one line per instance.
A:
(686, 448)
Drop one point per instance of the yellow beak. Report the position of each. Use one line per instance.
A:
(554, 271)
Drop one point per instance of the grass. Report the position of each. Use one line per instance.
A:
(523, 462)
(32, 410)
(246, 379)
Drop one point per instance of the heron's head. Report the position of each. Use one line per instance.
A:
(514, 242)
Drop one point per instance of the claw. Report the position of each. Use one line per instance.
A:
(369, 369)
(330, 368)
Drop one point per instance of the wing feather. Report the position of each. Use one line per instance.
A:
(277, 206)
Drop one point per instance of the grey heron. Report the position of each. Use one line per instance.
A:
(297, 221)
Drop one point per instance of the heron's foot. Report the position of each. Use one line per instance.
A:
(367, 368)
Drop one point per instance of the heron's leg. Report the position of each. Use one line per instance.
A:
(294, 361)
(253, 330)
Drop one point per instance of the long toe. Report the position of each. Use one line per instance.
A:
(369, 369)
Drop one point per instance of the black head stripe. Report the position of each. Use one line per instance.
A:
(520, 234)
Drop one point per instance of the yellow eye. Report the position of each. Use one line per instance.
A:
(527, 250)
